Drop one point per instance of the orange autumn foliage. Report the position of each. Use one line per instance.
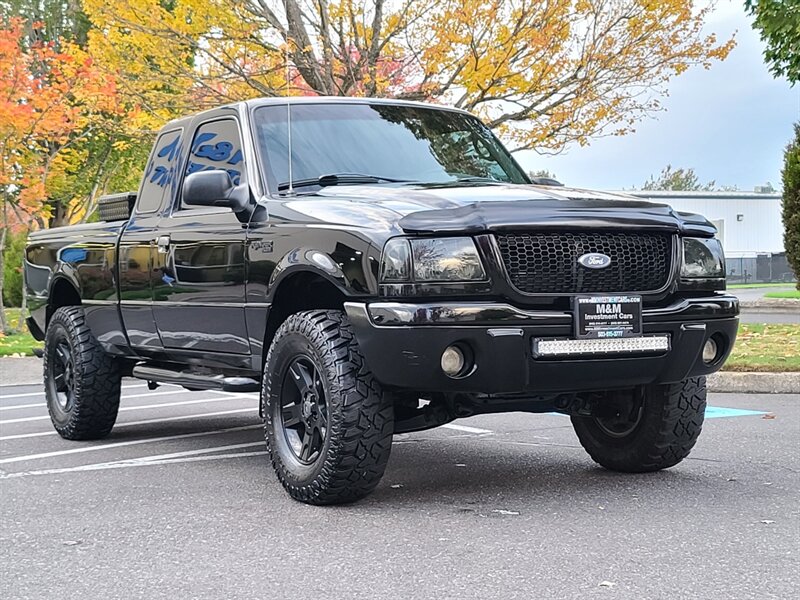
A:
(51, 96)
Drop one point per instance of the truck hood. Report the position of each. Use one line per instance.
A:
(475, 208)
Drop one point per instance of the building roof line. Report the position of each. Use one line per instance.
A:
(703, 194)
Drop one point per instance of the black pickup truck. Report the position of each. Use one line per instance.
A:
(378, 267)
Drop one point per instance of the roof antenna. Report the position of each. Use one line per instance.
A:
(290, 191)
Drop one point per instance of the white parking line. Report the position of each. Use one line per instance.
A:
(196, 452)
(126, 408)
(5, 385)
(129, 464)
(94, 448)
(466, 428)
(41, 392)
(26, 395)
(147, 395)
(18, 406)
(21, 436)
(126, 387)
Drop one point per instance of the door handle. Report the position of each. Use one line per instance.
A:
(163, 244)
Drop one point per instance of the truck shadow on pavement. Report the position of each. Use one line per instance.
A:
(503, 478)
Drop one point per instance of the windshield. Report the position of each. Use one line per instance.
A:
(389, 142)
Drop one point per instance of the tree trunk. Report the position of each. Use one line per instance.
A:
(59, 215)
(23, 309)
(3, 323)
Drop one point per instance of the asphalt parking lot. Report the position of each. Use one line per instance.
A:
(179, 502)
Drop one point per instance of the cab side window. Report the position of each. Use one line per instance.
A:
(217, 145)
(160, 172)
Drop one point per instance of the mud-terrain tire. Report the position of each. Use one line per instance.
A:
(81, 382)
(667, 428)
(328, 423)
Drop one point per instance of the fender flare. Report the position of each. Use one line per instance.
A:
(317, 262)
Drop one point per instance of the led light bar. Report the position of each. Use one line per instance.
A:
(631, 345)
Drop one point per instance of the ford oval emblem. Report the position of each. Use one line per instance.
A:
(595, 260)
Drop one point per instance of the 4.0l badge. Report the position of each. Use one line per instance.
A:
(595, 260)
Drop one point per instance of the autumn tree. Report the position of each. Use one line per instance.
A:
(544, 73)
(52, 101)
(80, 174)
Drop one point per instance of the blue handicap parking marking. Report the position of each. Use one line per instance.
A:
(714, 412)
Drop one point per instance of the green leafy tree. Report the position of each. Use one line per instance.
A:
(542, 174)
(56, 19)
(12, 268)
(791, 202)
(778, 22)
(684, 180)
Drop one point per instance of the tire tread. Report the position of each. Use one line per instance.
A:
(667, 436)
(97, 384)
(361, 434)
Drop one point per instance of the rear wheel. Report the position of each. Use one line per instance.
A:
(654, 431)
(329, 424)
(82, 382)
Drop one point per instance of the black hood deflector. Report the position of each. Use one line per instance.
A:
(554, 215)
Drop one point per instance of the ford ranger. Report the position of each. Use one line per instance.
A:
(374, 267)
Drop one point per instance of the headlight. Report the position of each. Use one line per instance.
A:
(446, 259)
(435, 259)
(702, 258)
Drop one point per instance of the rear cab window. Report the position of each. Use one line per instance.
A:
(160, 172)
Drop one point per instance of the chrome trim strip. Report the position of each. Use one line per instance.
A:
(499, 314)
(397, 313)
(166, 304)
(504, 332)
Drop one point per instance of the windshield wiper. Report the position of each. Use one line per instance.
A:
(341, 179)
(476, 178)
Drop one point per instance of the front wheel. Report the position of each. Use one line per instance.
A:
(328, 423)
(638, 434)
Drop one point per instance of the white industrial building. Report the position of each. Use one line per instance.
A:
(750, 228)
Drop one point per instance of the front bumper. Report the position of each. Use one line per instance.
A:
(403, 344)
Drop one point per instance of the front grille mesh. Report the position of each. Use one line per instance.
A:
(547, 263)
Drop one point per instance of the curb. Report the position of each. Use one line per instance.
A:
(773, 305)
(25, 370)
(754, 383)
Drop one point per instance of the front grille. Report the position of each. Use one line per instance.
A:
(547, 263)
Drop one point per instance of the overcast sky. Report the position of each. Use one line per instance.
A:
(730, 124)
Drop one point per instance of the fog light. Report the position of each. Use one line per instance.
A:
(710, 351)
(453, 361)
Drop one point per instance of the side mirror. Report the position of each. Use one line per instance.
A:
(215, 188)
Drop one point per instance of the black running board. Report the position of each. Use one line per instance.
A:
(193, 380)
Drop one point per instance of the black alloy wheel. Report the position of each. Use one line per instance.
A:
(62, 376)
(621, 423)
(304, 410)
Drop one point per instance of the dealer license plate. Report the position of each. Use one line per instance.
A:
(608, 316)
